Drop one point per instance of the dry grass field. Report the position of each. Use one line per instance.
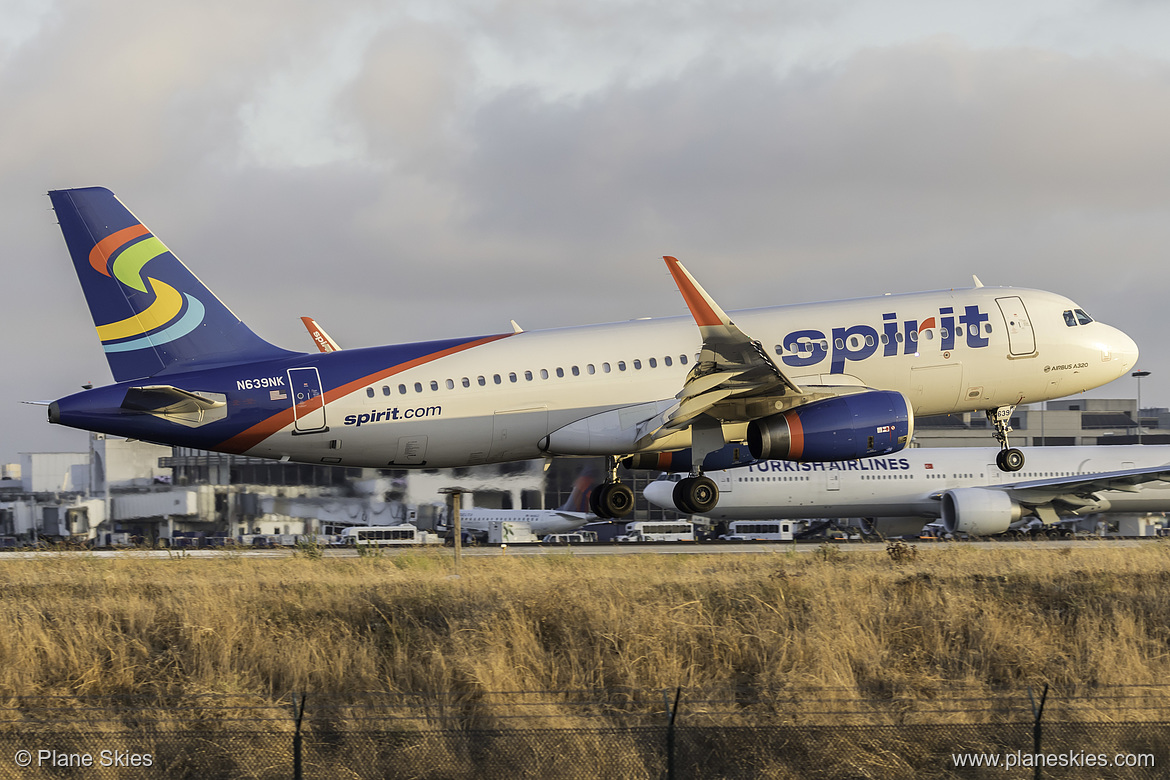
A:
(184, 658)
(951, 618)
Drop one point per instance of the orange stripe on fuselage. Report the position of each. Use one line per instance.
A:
(246, 440)
(795, 436)
(100, 254)
(700, 309)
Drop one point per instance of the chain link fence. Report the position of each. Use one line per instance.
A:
(626, 734)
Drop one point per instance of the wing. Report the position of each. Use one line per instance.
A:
(1081, 490)
(734, 378)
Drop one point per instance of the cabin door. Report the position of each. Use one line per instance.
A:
(308, 402)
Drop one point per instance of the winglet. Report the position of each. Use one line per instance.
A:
(977, 282)
(703, 308)
(319, 336)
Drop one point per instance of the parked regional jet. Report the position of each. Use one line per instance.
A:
(898, 494)
(569, 516)
(813, 382)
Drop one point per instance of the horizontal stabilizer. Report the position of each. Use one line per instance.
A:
(164, 399)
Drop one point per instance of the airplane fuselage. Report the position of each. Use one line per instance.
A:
(909, 484)
(505, 397)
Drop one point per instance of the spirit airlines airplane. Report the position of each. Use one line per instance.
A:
(898, 494)
(812, 382)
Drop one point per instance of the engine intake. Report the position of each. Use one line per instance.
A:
(875, 422)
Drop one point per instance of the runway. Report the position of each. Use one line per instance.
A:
(665, 548)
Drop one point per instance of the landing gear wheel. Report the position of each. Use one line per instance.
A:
(1010, 460)
(611, 500)
(696, 495)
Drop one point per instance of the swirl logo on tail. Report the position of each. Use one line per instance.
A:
(166, 318)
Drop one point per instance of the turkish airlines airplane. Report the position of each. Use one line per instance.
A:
(899, 494)
(812, 382)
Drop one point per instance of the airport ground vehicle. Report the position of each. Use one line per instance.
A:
(756, 530)
(646, 531)
(385, 536)
(575, 537)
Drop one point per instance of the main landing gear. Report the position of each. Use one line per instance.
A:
(1009, 458)
(612, 499)
(696, 495)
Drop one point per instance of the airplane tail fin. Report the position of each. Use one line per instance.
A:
(152, 314)
(578, 500)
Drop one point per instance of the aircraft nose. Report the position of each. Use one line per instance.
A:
(1122, 351)
(661, 494)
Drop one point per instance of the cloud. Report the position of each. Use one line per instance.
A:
(435, 170)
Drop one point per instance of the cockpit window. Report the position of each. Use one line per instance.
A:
(1082, 318)
(1070, 318)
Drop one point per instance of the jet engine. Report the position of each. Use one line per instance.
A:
(978, 511)
(845, 427)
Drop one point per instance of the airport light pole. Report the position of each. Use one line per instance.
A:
(1138, 375)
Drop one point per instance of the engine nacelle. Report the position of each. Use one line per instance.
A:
(845, 427)
(730, 456)
(978, 511)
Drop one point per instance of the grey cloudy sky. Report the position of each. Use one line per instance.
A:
(415, 170)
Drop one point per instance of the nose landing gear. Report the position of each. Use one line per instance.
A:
(1009, 459)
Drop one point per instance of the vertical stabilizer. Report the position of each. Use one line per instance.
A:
(578, 500)
(152, 314)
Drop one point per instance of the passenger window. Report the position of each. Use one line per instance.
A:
(385, 389)
(370, 392)
(653, 363)
(450, 384)
(527, 376)
(605, 368)
(481, 380)
(418, 387)
(666, 360)
(496, 378)
(621, 365)
(589, 369)
(682, 359)
(544, 373)
(576, 371)
(560, 373)
(466, 382)
(512, 377)
(402, 389)
(638, 365)
(434, 385)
